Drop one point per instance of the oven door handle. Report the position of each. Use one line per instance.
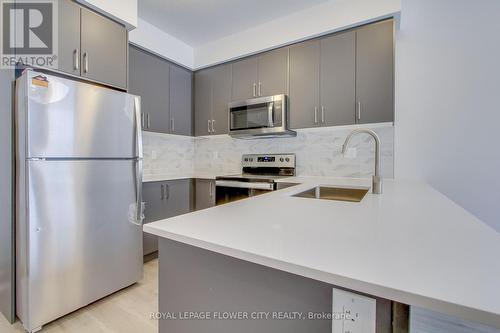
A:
(249, 185)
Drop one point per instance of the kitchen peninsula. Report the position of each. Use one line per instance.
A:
(281, 252)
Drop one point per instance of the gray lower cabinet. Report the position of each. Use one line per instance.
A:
(181, 81)
(375, 73)
(212, 89)
(261, 75)
(304, 84)
(205, 193)
(149, 78)
(163, 200)
(69, 37)
(103, 49)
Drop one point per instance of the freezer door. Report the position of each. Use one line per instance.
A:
(81, 241)
(70, 119)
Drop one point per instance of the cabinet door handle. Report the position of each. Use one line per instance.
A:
(162, 190)
(210, 189)
(148, 123)
(167, 191)
(260, 88)
(85, 62)
(323, 114)
(172, 124)
(358, 113)
(209, 131)
(76, 59)
(254, 90)
(213, 129)
(142, 120)
(315, 114)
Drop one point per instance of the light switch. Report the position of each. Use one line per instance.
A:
(153, 155)
(353, 313)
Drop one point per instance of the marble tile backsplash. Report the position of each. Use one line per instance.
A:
(318, 152)
(174, 154)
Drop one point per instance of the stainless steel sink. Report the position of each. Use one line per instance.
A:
(353, 194)
(281, 185)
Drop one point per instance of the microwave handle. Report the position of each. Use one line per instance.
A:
(270, 108)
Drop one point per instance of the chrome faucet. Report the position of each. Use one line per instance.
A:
(376, 179)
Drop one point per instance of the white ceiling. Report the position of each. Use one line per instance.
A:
(197, 22)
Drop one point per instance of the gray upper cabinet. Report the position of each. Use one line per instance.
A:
(69, 37)
(340, 79)
(203, 102)
(221, 96)
(149, 78)
(337, 84)
(375, 73)
(260, 75)
(91, 46)
(103, 49)
(273, 72)
(205, 193)
(245, 77)
(165, 90)
(180, 101)
(212, 94)
(304, 84)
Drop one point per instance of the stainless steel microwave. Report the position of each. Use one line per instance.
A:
(259, 117)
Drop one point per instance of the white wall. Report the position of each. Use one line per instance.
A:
(447, 100)
(327, 17)
(124, 11)
(157, 41)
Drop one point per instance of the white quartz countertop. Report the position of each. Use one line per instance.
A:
(166, 177)
(411, 244)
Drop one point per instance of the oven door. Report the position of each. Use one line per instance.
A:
(228, 190)
(257, 115)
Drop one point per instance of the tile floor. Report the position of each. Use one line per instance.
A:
(126, 311)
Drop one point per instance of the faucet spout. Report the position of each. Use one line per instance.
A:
(376, 179)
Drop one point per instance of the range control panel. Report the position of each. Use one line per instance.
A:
(269, 160)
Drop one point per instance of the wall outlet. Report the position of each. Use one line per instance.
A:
(351, 153)
(153, 155)
(353, 313)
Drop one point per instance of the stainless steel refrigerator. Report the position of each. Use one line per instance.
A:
(78, 195)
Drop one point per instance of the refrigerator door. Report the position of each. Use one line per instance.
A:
(84, 240)
(71, 119)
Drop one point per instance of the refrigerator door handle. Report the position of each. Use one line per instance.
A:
(138, 166)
